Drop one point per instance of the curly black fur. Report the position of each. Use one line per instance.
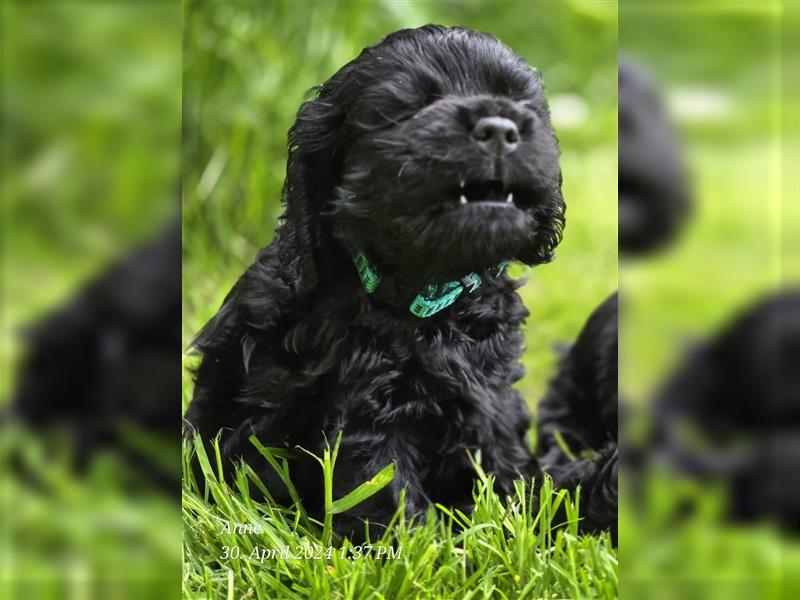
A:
(581, 408)
(299, 352)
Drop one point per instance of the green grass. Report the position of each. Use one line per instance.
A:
(105, 534)
(507, 548)
(675, 542)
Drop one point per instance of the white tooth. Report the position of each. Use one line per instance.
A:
(510, 198)
(462, 199)
(462, 183)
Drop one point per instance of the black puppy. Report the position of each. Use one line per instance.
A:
(105, 361)
(654, 199)
(578, 430)
(731, 411)
(381, 309)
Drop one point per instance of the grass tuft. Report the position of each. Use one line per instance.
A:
(521, 546)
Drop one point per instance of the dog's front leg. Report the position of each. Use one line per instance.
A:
(597, 478)
(358, 461)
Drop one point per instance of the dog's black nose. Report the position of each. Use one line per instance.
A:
(496, 135)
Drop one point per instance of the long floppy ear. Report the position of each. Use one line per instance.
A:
(550, 222)
(313, 170)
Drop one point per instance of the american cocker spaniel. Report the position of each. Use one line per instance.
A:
(382, 309)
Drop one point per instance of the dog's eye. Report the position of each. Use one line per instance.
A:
(526, 125)
(530, 116)
(530, 107)
(430, 92)
(465, 117)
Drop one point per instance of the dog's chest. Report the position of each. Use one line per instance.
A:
(394, 378)
(379, 370)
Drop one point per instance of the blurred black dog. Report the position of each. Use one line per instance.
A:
(381, 308)
(104, 365)
(578, 430)
(731, 411)
(654, 200)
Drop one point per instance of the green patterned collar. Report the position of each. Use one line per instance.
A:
(434, 299)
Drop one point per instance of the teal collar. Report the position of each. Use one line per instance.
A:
(435, 298)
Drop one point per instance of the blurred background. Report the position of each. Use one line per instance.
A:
(249, 66)
(710, 320)
(89, 447)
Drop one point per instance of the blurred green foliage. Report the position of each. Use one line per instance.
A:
(719, 69)
(103, 534)
(730, 51)
(89, 90)
(90, 116)
(718, 72)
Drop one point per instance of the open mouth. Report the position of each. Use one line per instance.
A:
(486, 193)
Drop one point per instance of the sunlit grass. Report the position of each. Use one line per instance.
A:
(513, 547)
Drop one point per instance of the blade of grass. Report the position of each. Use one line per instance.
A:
(364, 491)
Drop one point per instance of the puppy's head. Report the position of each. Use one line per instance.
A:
(433, 152)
